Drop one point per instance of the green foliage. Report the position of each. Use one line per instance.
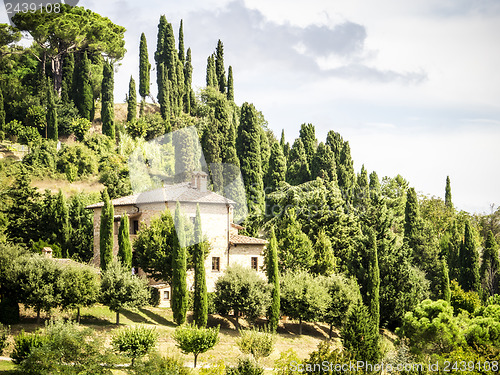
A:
(324, 259)
(191, 339)
(298, 170)
(78, 156)
(52, 120)
(149, 126)
(24, 344)
(325, 354)
(246, 366)
(80, 127)
(469, 258)
(286, 358)
(308, 137)
(156, 364)
(124, 246)
(80, 287)
(83, 95)
(106, 232)
(243, 291)
(276, 173)
(273, 278)
(121, 289)
(68, 70)
(80, 243)
(2, 112)
(230, 84)
(303, 297)
(490, 267)
(323, 163)
(179, 283)
(447, 195)
(220, 72)
(200, 250)
(135, 342)
(432, 328)
(345, 170)
(144, 67)
(259, 344)
(360, 335)
(107, 109)
(36, 118)
(29, 136)
(131, 101)
(4, 333)
(463, 301)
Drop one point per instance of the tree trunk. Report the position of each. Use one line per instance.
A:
(236, 316)
(117, 317)
(195, 359)
(57, 71)
(330, 331)
(78, 314)
(38, 316)
(300, 326)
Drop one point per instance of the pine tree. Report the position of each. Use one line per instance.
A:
(2, 112)
(106, 232)
(490, 268)
(108, 102)
(144, 68)
(276, 172)
(230, 84)
(220, 72)
(323, 164)
(298, 167)
(274, 279)
(447, 195)
(181, 44)
(469, 258)
(188, 79)
(131, 101)
(324, 259)
(84, 95)
(67, 78)
(179, 283)
(211, 74)
(124, 246)
(200, 302)
(248, 148)
(307, 134)
(52, 126)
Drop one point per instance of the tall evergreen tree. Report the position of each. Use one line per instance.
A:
(362, 191)
(373, 290)
(324, 258)
(2, 112)
(106, 232)
(108, 102)
(131, 101)
(200, 302)
(374, 184)
(276, 172)
(230, 84)
(68, 72)
(446, 291)
(447, 195)
(490, 268)
(298, 167)
(61, 222)
(323, 164)
(84, 95)
(412, 225)
(189, 98)
(265, 150)
(248, 148)
(211, 74)
(220, 71)
(285, 146)
(164, 94)
(160, 51)
(124, 245)
(182, 58)
(307, 134)
(52, 126)
(469, 258)
(179, 283)
(144, 68)
(345, 171)
(274, 279)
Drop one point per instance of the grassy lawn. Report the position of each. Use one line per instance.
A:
(102, 320)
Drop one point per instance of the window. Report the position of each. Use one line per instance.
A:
(135, 227)
(215, 264)
(166, 295)
(255, 263)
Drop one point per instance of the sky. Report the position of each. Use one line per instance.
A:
(412, 85)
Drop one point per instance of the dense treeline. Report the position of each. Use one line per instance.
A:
(364, 249)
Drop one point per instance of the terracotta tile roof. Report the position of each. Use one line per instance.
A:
(238, 239)
(171, 193)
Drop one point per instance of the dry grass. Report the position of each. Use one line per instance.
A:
(89, 185)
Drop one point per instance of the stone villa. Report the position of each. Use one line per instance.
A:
(227, 247)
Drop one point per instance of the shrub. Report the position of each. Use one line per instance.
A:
(24, 343)
(191, 339)
(80, 156)
(246, 366)
(154, 296)
(282, 365)
(135, 342)
(29, 136)
(36, 117)
(258, 344)
(4, 333)
(80, 127)
(66, 114)
(159, 365)
(42, 156)
(463, 301)
(325, 353)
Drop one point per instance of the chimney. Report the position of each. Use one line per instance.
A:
(47, 252)
(199, 181)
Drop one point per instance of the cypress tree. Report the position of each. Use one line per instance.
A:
(276, 172)
(298, 167)
(447, 195)
(52, 128)
(323, 164)
(188, 79)
(181, 87)
(265, 150)
(68, 71)
(144, 68)
(220, 72)
(345, 170)
(131, 101)
(412, 219)
(211, 77)
(2, 112)
(106, 232)
(179, 283)
(159, 54)
(373, 290)
(108, 102)
(285, 146)
(230, 85)
(211, 142)
(164, 93)
(325, 262)
(124, 246)
(248, 148)
(490, 268)
(273, 279)
(469, 258)
(61, 221)
(362, 196)
(200, 302)
(374, 185)
(181, 44)
(445, 287)
(308, 137)
(84, 95)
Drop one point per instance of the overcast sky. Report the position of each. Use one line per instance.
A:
(412, 85)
